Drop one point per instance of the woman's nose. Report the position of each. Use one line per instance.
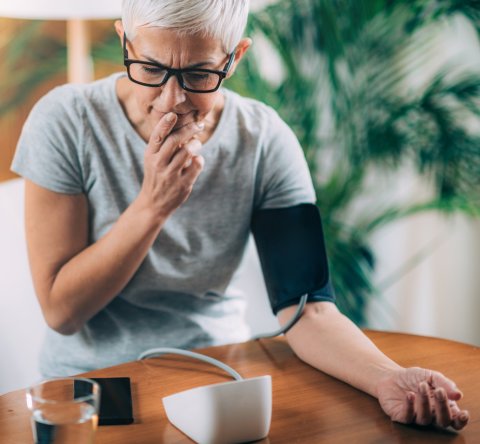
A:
(171, 94)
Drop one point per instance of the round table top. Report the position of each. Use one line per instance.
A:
(308, 406)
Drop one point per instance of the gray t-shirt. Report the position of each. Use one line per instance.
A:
(77, 139)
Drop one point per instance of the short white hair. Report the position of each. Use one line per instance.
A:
(220, 19)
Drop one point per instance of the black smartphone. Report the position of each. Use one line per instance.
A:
(115, 400)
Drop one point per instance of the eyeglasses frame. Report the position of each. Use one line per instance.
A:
(176, 72)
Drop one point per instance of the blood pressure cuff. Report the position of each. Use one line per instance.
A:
(291, 249)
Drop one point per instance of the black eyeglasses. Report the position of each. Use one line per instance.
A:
(196, 80)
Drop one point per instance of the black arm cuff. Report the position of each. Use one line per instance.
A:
(291, 249)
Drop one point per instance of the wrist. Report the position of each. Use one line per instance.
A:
(153, 214)
(386, 373)
(146, 215)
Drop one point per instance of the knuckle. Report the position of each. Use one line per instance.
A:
(175, 139)
(199, 161)
(156, 162)
(184, 189)
(194, 145)
(193, 126)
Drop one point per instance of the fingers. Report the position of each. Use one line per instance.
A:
(182, 156)
(434, 407)
(161, 131)
(428, 399)
(424, 409)
(192, 171)
(446, 393)
(410, 411)
(461, 419)
(178, 138)
(443, 415)
(163, 140)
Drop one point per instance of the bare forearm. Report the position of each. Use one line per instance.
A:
(330, 342)
(93, 277)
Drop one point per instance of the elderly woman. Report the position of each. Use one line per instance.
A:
(140, 189)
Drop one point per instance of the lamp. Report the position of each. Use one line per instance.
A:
(76, 13)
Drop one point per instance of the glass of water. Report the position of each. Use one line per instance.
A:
(64, 410)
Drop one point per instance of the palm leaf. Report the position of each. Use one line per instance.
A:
(359, 56)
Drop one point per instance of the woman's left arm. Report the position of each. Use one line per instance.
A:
(330, 342)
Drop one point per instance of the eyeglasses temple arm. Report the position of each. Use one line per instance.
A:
(230, 61)
(125, 52)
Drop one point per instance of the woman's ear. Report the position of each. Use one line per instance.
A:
(240, 50)
(119, 30)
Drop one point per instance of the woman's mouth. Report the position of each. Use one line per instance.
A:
(182, 118)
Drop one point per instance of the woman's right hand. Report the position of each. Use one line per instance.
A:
(74, 278)
(171, 166)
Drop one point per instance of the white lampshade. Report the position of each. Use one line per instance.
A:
(76, 12)
(60, 9)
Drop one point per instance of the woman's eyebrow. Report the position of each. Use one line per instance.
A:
(194, 65)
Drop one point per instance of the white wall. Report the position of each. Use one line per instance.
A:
(440, 295)
(249, 279)
(21, 322)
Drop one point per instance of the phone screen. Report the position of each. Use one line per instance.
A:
(115, 400)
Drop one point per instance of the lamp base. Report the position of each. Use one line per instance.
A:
(80, 65)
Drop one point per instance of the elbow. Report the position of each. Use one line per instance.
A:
(57, 306)
(61, 323)
(65, 329)
(318, 311)
(59, 314)
(314, 313)
(315, 321)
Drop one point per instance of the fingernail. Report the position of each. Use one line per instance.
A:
(200, 125)
(170, 117)
(463, 417)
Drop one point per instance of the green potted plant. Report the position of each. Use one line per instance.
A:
(346, 69)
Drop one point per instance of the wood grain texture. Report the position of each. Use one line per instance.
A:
(308, 406)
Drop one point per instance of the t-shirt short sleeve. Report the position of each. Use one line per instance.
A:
(48, 149)
(283, 176)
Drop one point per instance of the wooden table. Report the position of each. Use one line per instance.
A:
(308, 406)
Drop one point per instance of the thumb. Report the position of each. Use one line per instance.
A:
(453, 392)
